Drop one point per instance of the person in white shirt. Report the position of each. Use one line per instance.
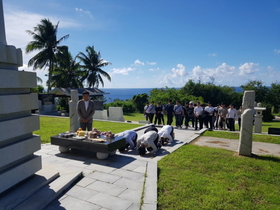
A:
(130, 139)
(209, 115)
(198, 118)
(146, 113)
(166, 134)
(231, 115)
(147, 140)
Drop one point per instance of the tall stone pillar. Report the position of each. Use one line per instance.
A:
(74, 123)
(17, 143)
(246, 131)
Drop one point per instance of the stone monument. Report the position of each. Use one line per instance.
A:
(246, 131)
(116, 114)
(17, 143)
(74, 122)
(258, 117)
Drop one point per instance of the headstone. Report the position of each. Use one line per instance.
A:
(74, 122)
(258, 117)
(17, 143)
(246, 131)
(116, 114)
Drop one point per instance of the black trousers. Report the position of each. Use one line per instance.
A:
(169, 119)
(200, 121)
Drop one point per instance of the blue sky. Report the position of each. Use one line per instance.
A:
(161, 43)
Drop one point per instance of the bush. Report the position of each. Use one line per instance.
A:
(128, 106)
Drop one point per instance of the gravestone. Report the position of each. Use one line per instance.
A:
(116, 114)
(246, 131)
(17, 143)
(74, 122)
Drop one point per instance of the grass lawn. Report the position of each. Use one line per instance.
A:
(51, 126)
(196, 177)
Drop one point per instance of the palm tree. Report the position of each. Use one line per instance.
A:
(45, 40)
(92, 63)
(67, 73)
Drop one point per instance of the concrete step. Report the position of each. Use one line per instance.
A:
(48, 193)
(25, 189)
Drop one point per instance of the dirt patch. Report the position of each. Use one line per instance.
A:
(262, 150)
(215, 142)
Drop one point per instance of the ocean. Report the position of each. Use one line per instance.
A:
(123, 93)
(128, 93)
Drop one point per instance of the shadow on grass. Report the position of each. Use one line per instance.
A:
(266, 157)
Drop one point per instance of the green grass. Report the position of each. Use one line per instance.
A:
(51, 126)
(212, 178)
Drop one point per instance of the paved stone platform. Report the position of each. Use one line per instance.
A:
(125, 181)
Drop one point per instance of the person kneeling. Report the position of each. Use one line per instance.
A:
(148, 141)
(130, 139)
(166, 134)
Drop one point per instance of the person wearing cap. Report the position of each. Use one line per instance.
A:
(209, 116)
(86, 110)
(166, 134)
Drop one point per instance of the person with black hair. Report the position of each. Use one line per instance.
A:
(147, 140)
(169, 112)
(130, 139)
(86, 110)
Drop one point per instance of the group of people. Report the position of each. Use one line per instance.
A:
(149, 142)
(219, 117)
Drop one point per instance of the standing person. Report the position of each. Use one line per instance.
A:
(86, 110)
(190, 115)
(238, 116)
(222, 112)
(146, 114)
(162, 113)
(151, 111)
(209, 116)
(158, 111)
(179, 112)
(185, 117)
(216, 117)
(198, 116)
(231, 117)
(169, 112)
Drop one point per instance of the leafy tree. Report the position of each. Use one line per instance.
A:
(92, 64)
(45, 39)
(38, 89)
(261, 91)
(273, 97)
(67, 72)
(140, 100)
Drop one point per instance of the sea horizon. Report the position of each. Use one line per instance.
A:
(112, 94)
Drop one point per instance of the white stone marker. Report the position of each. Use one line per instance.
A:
(74, 122)
(17, 143)
(246, 131)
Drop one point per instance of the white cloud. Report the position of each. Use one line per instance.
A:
(180, 71)
(212, 54)
(277, 51)
(84, 12)
(248, 68)
(225, 69)
(123, 71)
(157, 69)
(151, 63)
(138, 62)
